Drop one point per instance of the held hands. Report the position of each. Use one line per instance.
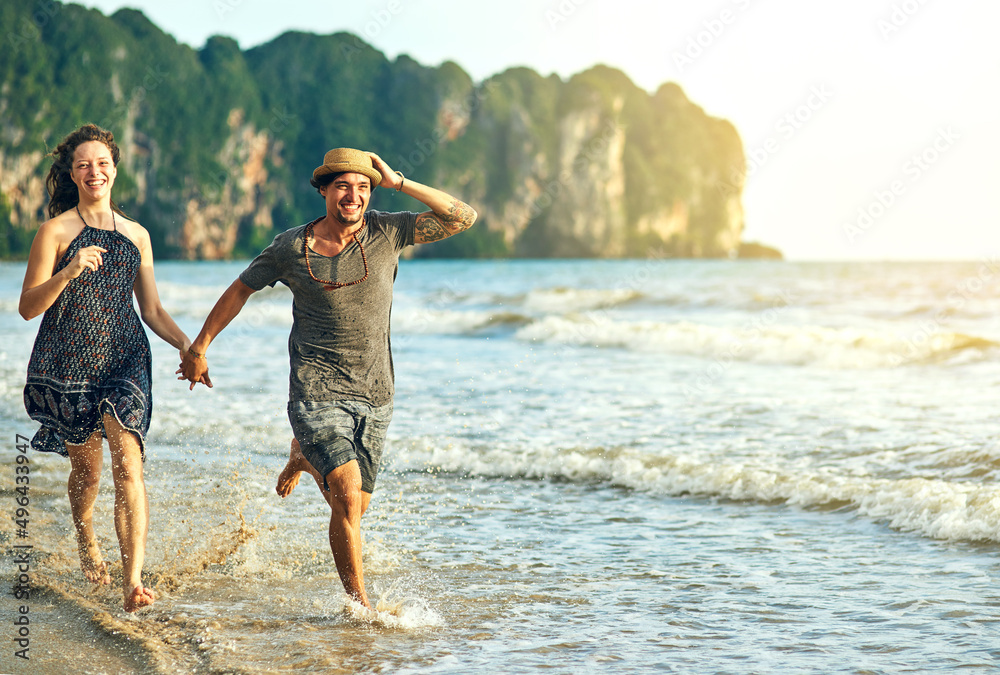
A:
(194, 369)
(87, 258)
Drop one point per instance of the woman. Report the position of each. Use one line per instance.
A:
(89, 373)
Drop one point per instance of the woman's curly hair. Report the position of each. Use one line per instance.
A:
(63, 192)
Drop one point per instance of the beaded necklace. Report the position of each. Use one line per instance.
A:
(332, 285)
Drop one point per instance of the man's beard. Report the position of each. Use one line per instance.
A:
(345, 219)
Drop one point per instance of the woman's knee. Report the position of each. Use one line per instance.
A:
(84, 477)
(127, 470)
(85, 473)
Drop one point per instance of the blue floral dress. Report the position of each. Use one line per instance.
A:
(91, 354)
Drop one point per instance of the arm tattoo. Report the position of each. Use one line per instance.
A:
(436, 226)
(429, 229)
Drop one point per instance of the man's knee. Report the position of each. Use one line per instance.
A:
(343, 491)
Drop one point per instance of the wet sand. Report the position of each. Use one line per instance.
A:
(223, 604)
(73, 630)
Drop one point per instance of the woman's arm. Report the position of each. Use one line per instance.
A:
(150, 309)
(42, 285)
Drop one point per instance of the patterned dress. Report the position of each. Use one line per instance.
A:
(91, 355)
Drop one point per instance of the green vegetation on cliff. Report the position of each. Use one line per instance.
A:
(218, 144)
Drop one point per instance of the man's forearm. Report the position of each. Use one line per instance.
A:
(447, 215)
(226, 309)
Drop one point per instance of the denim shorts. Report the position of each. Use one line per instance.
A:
(332, 433)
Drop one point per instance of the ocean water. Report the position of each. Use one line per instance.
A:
(640, 466)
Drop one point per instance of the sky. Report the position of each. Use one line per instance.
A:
(871, 127)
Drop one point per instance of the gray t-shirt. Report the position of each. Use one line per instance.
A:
(339, 345)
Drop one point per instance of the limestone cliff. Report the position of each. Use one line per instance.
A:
(212, 217)
(596, 168)
(218, 144)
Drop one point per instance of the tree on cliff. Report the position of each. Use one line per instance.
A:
(218, 143)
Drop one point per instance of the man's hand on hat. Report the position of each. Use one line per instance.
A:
(390, 179)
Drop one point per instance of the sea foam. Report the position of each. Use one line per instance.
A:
(935, 508)
(773, 344)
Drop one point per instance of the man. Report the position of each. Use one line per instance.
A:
(340, 269)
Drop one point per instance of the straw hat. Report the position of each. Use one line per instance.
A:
(341, 160)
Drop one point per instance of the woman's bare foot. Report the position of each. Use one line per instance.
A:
(290, 475)
(93, 565)
(138, 598)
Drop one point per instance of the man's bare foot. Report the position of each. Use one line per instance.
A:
(289, 476)
(93, 565)
(138, 598)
